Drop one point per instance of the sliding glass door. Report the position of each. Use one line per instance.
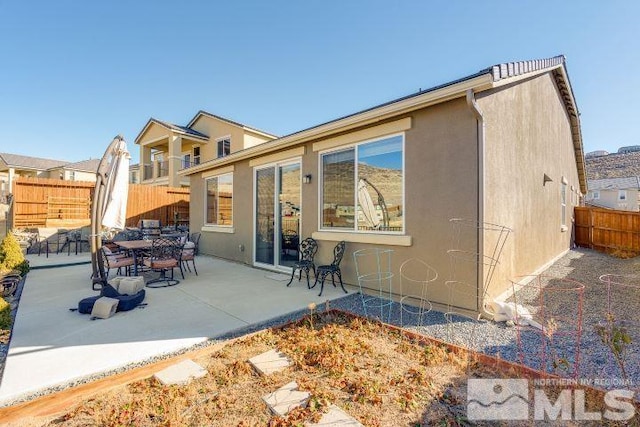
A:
(277, 213)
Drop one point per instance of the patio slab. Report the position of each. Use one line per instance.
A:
(52, 346)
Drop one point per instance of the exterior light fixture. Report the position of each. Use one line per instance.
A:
(306, 179)
(546, 179)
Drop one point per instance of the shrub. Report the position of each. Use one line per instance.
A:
(5, 314)
(11, 257)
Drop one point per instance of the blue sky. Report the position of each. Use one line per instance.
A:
(75, 74)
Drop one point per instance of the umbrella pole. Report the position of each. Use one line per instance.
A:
(99, 276)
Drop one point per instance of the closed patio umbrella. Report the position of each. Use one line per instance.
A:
(366, 205)
(109, 204)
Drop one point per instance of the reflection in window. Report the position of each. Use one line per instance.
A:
(224, 147)
(367, 196)
(220, 200)
(338, 186)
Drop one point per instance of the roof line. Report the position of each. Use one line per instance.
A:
(215, 116)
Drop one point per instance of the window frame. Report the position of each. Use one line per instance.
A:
(206, 201)
(196, 156)
(622, 195)
(320, 186)
(563, 204)
(223, 140)
(595, 195)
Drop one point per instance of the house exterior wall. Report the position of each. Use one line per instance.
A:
(441, 169)
(217, 129)
(527, 135)
(251, 140)
(154, 132)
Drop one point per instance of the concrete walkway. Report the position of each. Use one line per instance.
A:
(52, 346)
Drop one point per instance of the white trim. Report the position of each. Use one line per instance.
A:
(222, 138)
(361, 237)
(210, 224)
(209, 228)
(276, 266)
(354, 146)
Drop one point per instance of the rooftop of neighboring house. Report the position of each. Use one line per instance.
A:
(28, 162)
(37, 163)
(90, 165)
(627, 183)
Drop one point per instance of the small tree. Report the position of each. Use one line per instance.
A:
(11, 257)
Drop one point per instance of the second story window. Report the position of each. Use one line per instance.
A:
(224, 147)
(196, 156)
(186, 161)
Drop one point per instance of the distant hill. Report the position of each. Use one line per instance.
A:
(613, 166)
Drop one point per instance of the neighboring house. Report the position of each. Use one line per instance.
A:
(501, 146)
(614, 193)
(79, 171)
(134, 174)
(166, 148)
(15, 165)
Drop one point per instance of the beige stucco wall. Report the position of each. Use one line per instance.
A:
(153, 133)
(527, 135)
(440, 183)
(251, 140)
(217, 129)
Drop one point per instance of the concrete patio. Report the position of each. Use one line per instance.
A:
(52, 346)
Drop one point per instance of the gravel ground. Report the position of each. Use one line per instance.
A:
(582, 265)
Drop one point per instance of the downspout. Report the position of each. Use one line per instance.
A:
(475, 109)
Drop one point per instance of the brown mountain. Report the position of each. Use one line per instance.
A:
(613, 166)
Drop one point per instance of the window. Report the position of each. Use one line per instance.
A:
(224, 147)
(622, 194)
(196, 156)
(596, 194)
(564, 204)
(186, 161)
(363, 187)
(72, 175)
(219, 204)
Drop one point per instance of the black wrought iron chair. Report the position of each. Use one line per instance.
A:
(195, 238)
(189, 254)
(307, 250)
(323, 271)
(165, 255)
(112, 260)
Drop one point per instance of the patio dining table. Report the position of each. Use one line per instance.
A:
(135, 246)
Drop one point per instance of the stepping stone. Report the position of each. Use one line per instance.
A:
(181, 373)
(286, 398)
(336, 417)
(270, 362)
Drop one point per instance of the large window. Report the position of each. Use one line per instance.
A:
(219, 209)
(363, 187)
(224, 147)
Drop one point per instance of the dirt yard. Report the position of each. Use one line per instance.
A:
(374, 373)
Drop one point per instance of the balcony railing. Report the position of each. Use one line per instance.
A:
(188, 164)
(147, 172)
(163, 169)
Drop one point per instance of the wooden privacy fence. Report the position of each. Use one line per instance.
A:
(43, 202)
(607, 230)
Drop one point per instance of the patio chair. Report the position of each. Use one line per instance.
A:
(323, 271)
(195, 238)
(308, 248)
(164, 256)
(113, 260)
(188, 254)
